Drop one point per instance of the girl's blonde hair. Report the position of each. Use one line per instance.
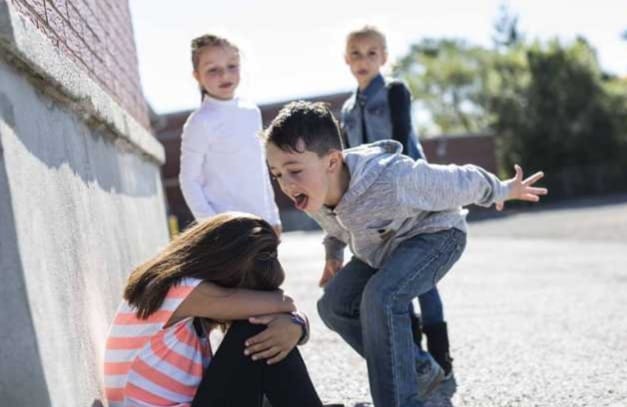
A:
(368, 31)
(207, 40)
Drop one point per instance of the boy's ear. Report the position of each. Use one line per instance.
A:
(346, 60)
(335, 160)
(196, 76)
(385, 57)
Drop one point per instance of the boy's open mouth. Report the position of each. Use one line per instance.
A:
(300, 201)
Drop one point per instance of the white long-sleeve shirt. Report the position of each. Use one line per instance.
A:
(223, 164)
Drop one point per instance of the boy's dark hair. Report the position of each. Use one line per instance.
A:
(311, 122)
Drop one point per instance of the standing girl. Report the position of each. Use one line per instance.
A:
(223, 166)
(219, 272)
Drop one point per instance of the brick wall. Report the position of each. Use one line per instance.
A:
(98, 36)
(478, 149)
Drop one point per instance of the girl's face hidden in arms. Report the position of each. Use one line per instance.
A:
(218, 71)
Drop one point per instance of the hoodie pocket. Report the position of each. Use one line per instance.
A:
(383, 229)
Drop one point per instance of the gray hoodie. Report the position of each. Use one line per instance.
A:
(391, 198)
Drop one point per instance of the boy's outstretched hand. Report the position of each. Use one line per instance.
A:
(523, 189)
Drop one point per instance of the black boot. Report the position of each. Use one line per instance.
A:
(416, 329)
(438, 346)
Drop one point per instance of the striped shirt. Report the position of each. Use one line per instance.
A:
(149, 365)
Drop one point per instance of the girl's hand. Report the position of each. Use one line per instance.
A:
(276, 341)
(278, 229)
(522, 189)
(330, 268)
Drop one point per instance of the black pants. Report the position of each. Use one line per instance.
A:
(235, 380)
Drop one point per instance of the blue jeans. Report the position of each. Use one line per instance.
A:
(431, 311)
(368, 308)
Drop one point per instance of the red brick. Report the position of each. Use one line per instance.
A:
(59, 5)
(73, 40)
(75, 20)
(37, 6)
(53, 36)
(102, 73)
(90, 35)
(25, 12)
(55, 21)
(98, 36)
(96, 26)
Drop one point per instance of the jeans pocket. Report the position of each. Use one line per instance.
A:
(450, 255)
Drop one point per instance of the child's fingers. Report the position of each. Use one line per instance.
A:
(537, 191)
(279, 357)
(259, 347)
(519, 172)
(326, 276)
(530, 197)
(259, 338)
(534, 178)
(262, 320)
(268, 353)
(499, 206)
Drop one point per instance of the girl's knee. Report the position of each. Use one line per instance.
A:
(244, 329)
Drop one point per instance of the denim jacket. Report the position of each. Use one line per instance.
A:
(377, 119)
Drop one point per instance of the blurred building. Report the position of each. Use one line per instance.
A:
(475, 149)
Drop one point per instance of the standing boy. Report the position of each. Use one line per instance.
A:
(404, 224)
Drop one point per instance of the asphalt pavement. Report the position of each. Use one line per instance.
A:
(536, 310)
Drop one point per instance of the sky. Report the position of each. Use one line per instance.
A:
(294, 49)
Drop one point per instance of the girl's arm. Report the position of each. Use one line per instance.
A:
(194, 144)
(271, 206)
(211, 301)
(271, 209)
(399, 100)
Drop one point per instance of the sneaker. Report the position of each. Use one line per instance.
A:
(448, 372)
(430, 375)
(438, 346)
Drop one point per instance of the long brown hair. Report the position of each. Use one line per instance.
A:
(207, 40)
(231, 250)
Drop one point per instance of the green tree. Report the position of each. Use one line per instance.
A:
(569, 119)
(447, 78)
(549, 105)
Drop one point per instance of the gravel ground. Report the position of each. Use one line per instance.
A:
(536, 312)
